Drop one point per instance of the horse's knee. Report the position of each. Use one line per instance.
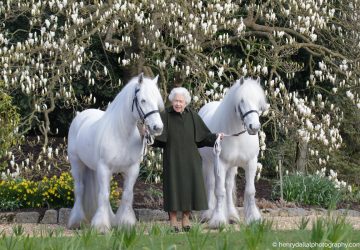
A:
(220, 192)
(133, 171)
(250, 190)
(230, 185)
(210, 180)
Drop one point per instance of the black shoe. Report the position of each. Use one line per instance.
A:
(175, 229)
(186, 228)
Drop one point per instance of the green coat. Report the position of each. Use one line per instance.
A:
(183, 183)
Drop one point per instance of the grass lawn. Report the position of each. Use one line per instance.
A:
(325, 234)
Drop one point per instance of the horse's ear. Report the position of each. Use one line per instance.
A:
(258, 80)
(156, 78)
(241, 80)
(141, 77)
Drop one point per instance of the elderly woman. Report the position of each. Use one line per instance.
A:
(183, 184)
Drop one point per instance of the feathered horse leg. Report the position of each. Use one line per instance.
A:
(219, 217)
(77, 215)
(230, 193)
(209, 180)
(103, 216)
(125, 215)
(252, 213)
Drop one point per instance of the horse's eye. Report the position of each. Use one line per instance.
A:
(143, 101)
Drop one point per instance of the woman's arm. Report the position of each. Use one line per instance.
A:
(208, 141)
(158, 144)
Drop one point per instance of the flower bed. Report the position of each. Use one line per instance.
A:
(54, 192)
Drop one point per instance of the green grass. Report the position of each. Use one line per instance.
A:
(309, 190)
(253, 236)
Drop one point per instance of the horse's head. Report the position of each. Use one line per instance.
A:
(251, 103)
(148, 102)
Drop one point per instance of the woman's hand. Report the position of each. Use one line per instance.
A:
(221, 135)
(142, 129)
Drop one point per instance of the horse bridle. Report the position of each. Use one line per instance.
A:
(243, 117)
(247, 113)
(141, 112)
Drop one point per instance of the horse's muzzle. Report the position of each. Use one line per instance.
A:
(156, 130)
(252, 132)
(253, 129)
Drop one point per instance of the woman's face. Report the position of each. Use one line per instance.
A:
(178, 103)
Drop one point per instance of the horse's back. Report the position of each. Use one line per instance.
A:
(83, 119)
(207, 111)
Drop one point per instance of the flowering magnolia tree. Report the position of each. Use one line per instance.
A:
(305, 52)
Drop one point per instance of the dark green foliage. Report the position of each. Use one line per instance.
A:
(196, 238)
(346, 160)
(9, 121)
(18, 230)
(319, 232)
(256, 234)
(9, 205)
(309, 190)
(334, 230)
(303, 223)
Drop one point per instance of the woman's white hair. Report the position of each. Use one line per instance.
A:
(180, 91)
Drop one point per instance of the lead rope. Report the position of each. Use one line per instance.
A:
(148, 139)
(217, 151)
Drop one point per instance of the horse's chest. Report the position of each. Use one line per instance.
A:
(120, 156)
(237, 151)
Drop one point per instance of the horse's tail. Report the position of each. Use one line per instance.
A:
(90, 197)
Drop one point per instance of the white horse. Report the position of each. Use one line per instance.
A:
(102, 143)
(236, 115)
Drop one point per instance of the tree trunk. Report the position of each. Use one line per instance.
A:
(301, 156)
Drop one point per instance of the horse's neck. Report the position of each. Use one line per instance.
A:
(121, 117)
(126, 122)
(227, 120)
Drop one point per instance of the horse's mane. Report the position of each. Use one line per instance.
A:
(114, 106)
(250, 89)
(116, 116)
(114, 113)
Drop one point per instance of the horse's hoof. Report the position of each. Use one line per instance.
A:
(126, 226)
(100, 224)
(204, 220)
(233, 216)
(73, 226)
(127, 222)
(125, 219)
(251, 220)
(234, 221)
(253, 217)
(102, 229)
(217, 222)
(76, 224)
(206, 216)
